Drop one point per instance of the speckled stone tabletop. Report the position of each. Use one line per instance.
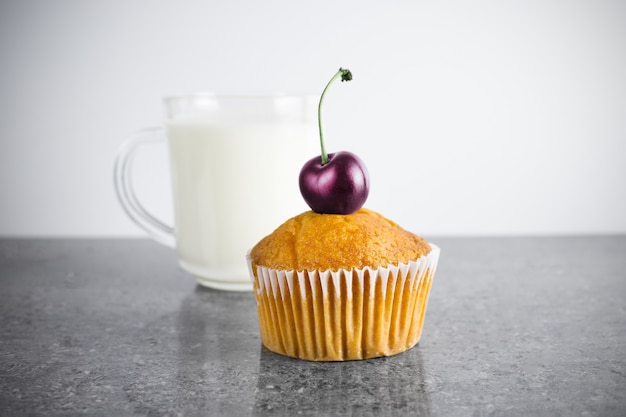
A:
(514, 327)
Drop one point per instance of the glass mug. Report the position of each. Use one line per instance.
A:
(234, 162)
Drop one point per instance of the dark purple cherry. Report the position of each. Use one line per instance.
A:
(340, 186)
(336, 183)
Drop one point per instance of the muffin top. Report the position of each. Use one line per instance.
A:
(312, 241)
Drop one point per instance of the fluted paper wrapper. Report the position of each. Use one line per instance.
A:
(345, 314)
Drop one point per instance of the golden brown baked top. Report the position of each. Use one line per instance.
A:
(311, 241)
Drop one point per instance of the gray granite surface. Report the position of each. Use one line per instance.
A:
(514, 327)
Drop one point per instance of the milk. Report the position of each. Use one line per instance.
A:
(233, 183)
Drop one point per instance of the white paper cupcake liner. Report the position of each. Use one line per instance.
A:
(344, 314)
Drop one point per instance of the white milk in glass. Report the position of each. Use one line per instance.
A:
(233, 183)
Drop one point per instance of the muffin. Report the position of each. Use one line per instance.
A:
(332, 287)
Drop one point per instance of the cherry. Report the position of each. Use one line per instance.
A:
(340, 186)
(336, 183)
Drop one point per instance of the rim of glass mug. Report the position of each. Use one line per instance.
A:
(285, 106)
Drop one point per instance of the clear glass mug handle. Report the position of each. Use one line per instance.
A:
(122, 177)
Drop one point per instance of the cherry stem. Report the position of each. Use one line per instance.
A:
(345, 75)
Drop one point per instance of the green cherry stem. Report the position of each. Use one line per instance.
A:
(345, 75)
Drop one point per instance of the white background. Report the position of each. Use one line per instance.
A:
(474, 117)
